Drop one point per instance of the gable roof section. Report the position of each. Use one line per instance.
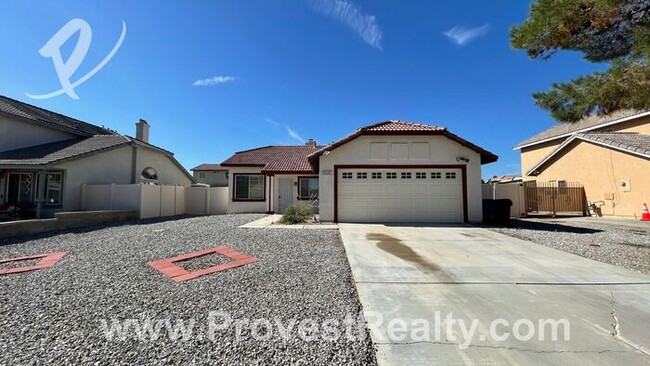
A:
(395, 127)
(50, 119)
(584, 125)
(275, 159)
(57, 152)
(628, 142)
(208, 167)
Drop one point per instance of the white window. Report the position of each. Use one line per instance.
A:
(249, 187)
(450, 175)
(376, 175)
(347, 175)
(53, 188)
(362, 175)
(420, 175)
(202, 175)
(406, 175)
(436, 175)
(391, 175)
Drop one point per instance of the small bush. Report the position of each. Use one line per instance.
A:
(297, 213)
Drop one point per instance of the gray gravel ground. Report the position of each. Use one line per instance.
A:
(54, 315)
(625, 247)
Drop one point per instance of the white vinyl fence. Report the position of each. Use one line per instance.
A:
(154, 200)
(512, 191)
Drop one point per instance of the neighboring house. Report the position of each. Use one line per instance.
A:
(45, 157)
(391, 171)
(212, 174)
(505, 179)
(609, 156)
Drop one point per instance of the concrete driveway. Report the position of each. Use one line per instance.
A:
(466, 295)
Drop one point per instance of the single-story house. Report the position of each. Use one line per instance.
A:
(392, 171)
(608, 155)
(213, 175)
(45, 157)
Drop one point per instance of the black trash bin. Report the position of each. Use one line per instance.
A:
(501, 209)
(488, 212)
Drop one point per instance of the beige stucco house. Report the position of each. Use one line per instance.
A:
(391, 171)
(213, 175)
(609, 156)
(46, 157)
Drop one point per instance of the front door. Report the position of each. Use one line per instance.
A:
(285, 196)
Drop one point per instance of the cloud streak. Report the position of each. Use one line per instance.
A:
(351, 15)
(463, 35)
(293, 134)
(214, 80)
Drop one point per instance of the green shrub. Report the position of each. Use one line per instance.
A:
(297, 213)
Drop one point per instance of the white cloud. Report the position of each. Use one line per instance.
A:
(462, 35)
(293, 134)
(365, 25)
(214, 80)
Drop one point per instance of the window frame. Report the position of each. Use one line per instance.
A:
(450, 175)
(346, 175)
(47, 190)
(406, 175)
(436, 175)
(376, 175)
(234, 188)
(391, 175)
(306, 198)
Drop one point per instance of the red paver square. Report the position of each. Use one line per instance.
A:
(48, 260)
(178, 274)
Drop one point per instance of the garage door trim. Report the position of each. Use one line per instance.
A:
(463, 170)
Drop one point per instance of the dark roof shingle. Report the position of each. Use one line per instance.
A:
(275, 159)
(50, 119)
(55, 152)
(566, 129)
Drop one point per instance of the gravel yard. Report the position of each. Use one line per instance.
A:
(625, 247)
(57, 315)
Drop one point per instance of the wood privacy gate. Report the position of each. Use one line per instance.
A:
(555, 197)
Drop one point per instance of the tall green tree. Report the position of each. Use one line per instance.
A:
(612, 31)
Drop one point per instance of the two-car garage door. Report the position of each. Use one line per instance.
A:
(400, 195)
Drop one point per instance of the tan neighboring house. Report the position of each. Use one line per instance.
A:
(46, 157)
(213, 175)
(609, 156)
(392, 171)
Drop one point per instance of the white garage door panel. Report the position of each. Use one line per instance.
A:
(401, 199)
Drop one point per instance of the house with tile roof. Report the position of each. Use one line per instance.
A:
(213, 175)
(608, 155)
(46, 157)
(392, 171)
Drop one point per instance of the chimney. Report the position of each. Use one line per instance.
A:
(142, 131)
(311, 143)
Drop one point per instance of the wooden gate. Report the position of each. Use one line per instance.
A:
(555, 197)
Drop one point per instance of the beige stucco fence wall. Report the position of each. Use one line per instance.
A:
(512, 191)
(155, 200)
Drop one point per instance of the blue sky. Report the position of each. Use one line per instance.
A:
(282, 71)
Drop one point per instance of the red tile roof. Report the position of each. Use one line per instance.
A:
(400, 126)
(394, 127)
(275, 159)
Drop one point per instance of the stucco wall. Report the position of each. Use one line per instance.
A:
(601, 170)
(168, 172)
(15, 134)
(113, 166)
(441, 151)
(243, 206)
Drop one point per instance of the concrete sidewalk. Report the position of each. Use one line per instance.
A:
(271, 222)
(421, 275)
